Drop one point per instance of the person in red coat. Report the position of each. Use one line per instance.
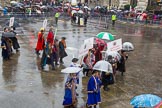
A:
(40, 42)
(50, 37)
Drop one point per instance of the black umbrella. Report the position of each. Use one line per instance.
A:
(15, 24)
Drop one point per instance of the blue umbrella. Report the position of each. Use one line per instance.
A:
(145, 100)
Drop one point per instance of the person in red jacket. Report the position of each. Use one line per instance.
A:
(50, 37)
(40, 42)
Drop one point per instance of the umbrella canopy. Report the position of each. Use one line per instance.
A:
(159, 105)
(80, 11)
(8, 34)
(103, 65)
(15, 24)
(73, 11)
(13, 2)
(105, 35)
(145, 100)
(115, 55)
(86, 7)
(127, 46)
(97, 7)
(71, 70)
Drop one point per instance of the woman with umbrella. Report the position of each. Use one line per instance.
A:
(70, 99)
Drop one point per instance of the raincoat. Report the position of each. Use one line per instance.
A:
(50, 37)
(40, 42)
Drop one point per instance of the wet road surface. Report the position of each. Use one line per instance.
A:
(24, 85)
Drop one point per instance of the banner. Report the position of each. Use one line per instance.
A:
(88, 44)
(11, 21)
(115, 45)
(45, 23)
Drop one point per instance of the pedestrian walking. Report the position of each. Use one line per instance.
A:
(6, 45)
(50, 36)
(57, 15)
(14, 40)
(62, 47)
(93, 90)
(48, 56)
(107, 79)
(5, 49)
(40, 42)
(89, 61)
(70, 99)
(113, 18)
(121, 64)
(74, 64)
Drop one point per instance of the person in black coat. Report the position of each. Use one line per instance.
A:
(14, 40)
(62, 47)
(121, 63)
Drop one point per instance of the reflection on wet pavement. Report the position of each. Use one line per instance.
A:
(24, 85)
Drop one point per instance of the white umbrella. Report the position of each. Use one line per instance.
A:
(73, 11)
(13, 2)
(114, 54)
(71, 70)
(104, 66)
(97, 7)
(80, 11)
(86, 7)
(127, 46)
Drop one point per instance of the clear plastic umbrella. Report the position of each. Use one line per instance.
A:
(103, 66)
(71, 70)
(114, 55)
(127, 46)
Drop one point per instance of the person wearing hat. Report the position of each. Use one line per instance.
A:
(74, 64)
(93, 89)
(62, 47)
(50, 36)
(40, 41)
(70, 99)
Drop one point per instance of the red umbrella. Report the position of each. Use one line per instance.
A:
(159, 105)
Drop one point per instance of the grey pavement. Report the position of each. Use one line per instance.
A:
(24, 85)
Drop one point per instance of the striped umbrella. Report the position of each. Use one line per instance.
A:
(105, 35)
